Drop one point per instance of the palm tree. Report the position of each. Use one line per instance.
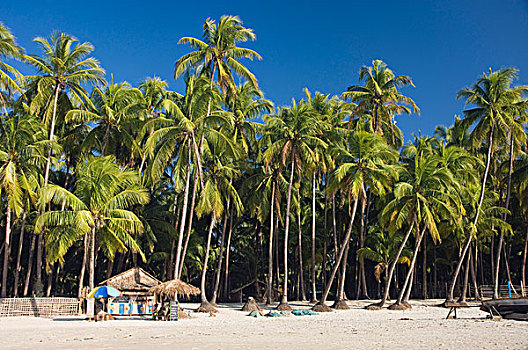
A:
(517, 138)
(8, 49)
(329, 112)
(218, 53)
(246, 105)
(433, 202)
(366, 161)
(381, 247)
(249, 103)
(112, 106)
(264, 198)
(380, 96)
(420, 192)
(98, 208)
(494, 102)
(292, 133)
(175, 142)
(217, 190)
(63, 67)
(18, 159)
(520, 180)
(155, 96)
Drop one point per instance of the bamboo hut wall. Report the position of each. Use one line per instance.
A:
(39, 307)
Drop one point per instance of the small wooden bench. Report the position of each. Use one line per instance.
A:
(453, 310)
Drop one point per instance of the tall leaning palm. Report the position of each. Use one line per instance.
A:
(64, 66)
(494, 104)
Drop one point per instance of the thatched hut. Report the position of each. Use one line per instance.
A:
(134, 285)
(174, 288)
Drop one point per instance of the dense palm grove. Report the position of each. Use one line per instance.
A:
(217, 186)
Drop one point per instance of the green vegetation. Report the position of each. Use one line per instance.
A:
(217, 186)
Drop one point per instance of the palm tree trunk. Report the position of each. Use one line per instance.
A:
(40, 241)
(228, 251)
(91, 260)
(451, 290)
(269, 297)
(340, 302)
(284, 300)
(183, 216)
(189, 225)
(30, 264)
(38, 268)
(407, 284)
(424, 269)
(171, 262)
(395, 262)
(7, 250)
(121, 262)
(340, 255)
(376, 123)
(507, 264)
(492, 257)
(205, 306)
(435, 274)
(49, 283)
(52, 131)
(83, 265)
(325, 245)
(334, 231)
(110, 267)
(144, 157)
(221, 255)
(463, 295)
(19, 253)
(301, 269)
(362, 285)
(525, 253)
(504, 216)
(105, 142)
(314, 292)
(474, 273)
(277, 254)
(405, 300)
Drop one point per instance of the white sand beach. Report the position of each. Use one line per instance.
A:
(423, 327)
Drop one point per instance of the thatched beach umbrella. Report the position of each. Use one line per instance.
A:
(175, 287)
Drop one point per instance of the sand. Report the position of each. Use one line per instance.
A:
(423, 327)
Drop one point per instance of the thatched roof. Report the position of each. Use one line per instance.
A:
(134, 280)
(175, 287)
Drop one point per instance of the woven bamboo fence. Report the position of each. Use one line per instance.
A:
(39, 307)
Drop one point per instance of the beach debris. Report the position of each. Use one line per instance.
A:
(256, 314)
(308, 312)
(273, 314)
(251, 305)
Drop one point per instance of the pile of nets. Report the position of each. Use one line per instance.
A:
(295, 312)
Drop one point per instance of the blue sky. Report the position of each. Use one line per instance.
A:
(443, 45)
